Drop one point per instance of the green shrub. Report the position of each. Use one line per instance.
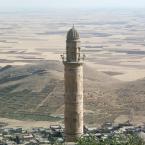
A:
(115, 140)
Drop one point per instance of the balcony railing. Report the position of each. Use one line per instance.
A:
(79, 58)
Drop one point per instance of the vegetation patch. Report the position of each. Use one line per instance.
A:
(35, 117)
(123, 139)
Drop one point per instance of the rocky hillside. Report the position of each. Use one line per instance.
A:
(36, 92)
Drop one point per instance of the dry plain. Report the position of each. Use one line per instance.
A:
(112, 40)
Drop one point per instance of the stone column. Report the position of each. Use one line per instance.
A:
(73, 100)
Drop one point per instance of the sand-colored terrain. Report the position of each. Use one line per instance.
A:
(27, 124)
(114, 44)
(112, 40)
(36, 92)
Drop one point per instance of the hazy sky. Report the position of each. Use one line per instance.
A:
(8, 4)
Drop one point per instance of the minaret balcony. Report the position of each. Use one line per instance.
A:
(80, 58)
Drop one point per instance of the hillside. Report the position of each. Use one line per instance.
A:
(36, 92)
(132, 96)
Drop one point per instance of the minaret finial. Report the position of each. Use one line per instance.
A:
(73, 26)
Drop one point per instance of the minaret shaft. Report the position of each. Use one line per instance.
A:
(73, 51)
(73, 101)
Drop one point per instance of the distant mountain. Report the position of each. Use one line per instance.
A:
(36, 92)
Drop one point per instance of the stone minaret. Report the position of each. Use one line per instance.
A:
(73, 87)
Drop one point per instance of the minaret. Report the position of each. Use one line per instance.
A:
(73, 63)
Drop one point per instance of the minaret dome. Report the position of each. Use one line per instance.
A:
(72, 34)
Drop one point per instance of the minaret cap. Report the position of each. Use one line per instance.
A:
(72, 34)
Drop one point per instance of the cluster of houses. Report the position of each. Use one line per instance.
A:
(34, 136)
(55, 133)
(108, 130)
